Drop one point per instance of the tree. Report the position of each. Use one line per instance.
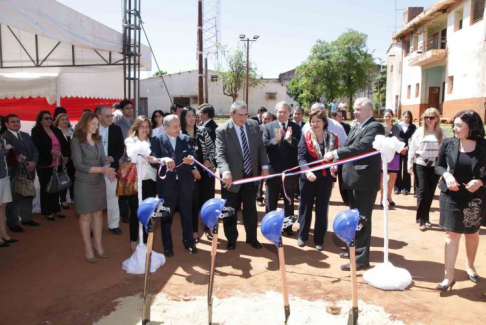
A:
(159, 73)
(354, 63)
(334, 69)
(318, 76)
(233, 74)
(379, 89)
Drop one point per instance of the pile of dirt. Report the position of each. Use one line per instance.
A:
(256, 309)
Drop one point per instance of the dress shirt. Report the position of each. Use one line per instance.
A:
(104, 138)
(14, 133)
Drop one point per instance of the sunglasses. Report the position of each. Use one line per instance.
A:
(429, 118)
(48, 118)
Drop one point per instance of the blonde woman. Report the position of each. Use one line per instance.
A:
(422, 155)
(139, 136)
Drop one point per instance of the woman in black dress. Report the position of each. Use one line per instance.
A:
(204, 147)
(462, 165)
(391, 130)
(54, 150)
(407, 129)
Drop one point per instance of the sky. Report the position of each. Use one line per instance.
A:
(287, 28)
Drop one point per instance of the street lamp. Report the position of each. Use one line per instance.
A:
(248, 40)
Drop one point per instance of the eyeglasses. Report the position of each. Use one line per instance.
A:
(47, 118)
(108, 116)
(429, 118)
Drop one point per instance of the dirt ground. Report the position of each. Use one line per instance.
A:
(46, 279)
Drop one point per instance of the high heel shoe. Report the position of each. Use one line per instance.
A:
(133, 246)
(103, 254)
(473, 277)
(445, 287)
(91, 260)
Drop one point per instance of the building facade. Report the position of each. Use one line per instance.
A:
(438, 59)
(182, 88)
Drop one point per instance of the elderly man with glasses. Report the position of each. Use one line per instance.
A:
(114, 146)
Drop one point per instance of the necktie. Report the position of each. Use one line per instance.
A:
(284, 128)
(246, 152)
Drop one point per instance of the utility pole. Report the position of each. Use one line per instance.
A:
(206, 90)
(248, 40)
(200, 95)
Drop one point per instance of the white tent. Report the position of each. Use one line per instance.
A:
(82, 55)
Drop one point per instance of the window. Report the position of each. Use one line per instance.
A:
(414, 45)
(271, 96)
(409, 89)
(417, 88)
(450, 84)
(458, 17)
(214, 78)
(391, 68)
(477, 10)
(406, 47)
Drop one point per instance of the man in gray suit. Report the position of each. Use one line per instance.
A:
(239, 153)
(23, 150)
(361, 179)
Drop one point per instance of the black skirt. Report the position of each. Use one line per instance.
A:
(461, 212)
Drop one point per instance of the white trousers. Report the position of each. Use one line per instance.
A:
(112, 209)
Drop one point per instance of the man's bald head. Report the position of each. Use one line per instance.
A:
(363, 109)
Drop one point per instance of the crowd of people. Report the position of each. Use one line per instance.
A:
(105, 144)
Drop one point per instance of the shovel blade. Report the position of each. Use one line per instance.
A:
(353, 317)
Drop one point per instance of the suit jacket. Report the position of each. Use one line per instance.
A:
(116, 145)
(347, 127)
(305, 158)
(161, 147)
(25, 147)
(406, 136)
(211, 126)
(447, 160)
(300, 124)
(229, 154)
(86, 156)
(282, 155)
(257, 118)
(364, 174)
(44, 144)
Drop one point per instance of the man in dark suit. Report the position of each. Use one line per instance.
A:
(23, 150)
(259, 116)
(281, 138)
(361, 179)
(207, 115)
(239, 153)
(298, 116)
(114, 147)
(175, 149)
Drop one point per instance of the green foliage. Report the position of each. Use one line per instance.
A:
(334, 69)
(233, 73)
(160, 73)
(379, 89)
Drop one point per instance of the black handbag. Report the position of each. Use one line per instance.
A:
(22, 183)
(59, 180)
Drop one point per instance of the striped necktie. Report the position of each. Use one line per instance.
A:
(246, 152)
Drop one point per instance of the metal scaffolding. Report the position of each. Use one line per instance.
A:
(132, 51)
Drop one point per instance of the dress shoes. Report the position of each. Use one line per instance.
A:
(192, 249)
(116, 231)
(231, 246)
(260, 203)
(65, 206)
(347, 267)
(50, 218)
(31, 223)
(445, 287)
(300, 242)
(125, 219)
(344, 255)
(473, 277)
(255, 244)
(4, 244)
(11, 241)
(16, 228)
(289, 232)
(61, 216)
(319, 247)
(169, 252)
(405, 192)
